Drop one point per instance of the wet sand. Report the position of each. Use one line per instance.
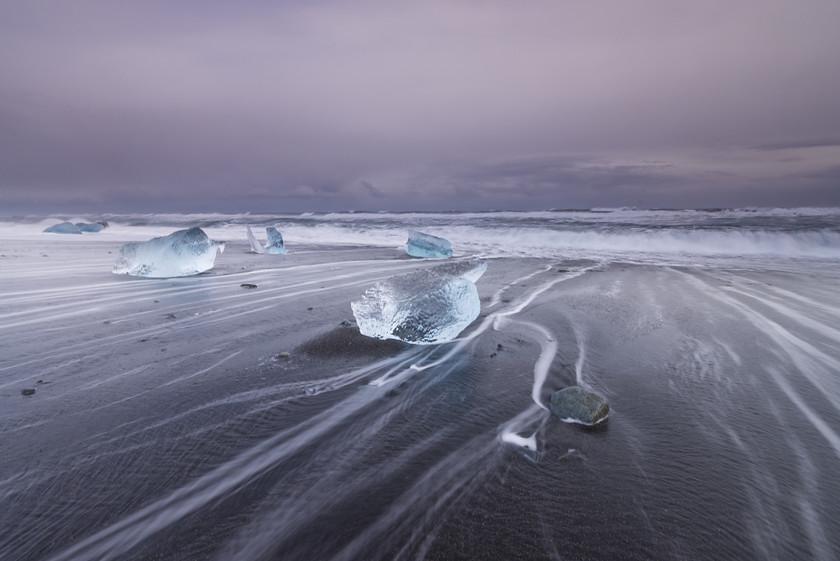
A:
(169, 421)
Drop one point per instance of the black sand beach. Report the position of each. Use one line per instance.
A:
(196, 418)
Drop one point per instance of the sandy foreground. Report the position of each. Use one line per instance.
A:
(194, 418)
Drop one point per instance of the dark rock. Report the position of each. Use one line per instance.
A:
(248, 285)
(578, 405)
(346, 323)
(28, 391)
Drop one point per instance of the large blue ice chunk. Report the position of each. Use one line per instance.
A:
(275, 241)
(180, 254)
(63, 228)
(424, 307)
(427, 245)
(273, 245)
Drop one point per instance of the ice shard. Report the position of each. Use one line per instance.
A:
(63, 228)
(427, 246)
(180, 254)
(424, 307)
(274, 244)
(275, 241)
(252, 239)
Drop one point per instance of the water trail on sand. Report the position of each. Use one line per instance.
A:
(813, 364)
(450, 481)
(453, 477)
(580, 358)
(122, 536)
(497, 296)
(546, 340)
(510, 431)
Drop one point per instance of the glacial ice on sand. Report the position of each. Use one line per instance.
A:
(90, 227)
(274, 244)
(180, 254)
(252, 239)
(424, 307)
(275, 241)
(63, 228)
(427, 245)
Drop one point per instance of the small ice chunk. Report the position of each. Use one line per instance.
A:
(180, 254)
(424, 307)
(274, 245)
(428, 246)
(275, 241)
(92, 227)
(252, 239)
(63, 228)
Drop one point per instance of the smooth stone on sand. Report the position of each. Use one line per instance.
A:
(575, 404)
(28, 391)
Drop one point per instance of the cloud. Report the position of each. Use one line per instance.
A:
(371, 190)
(797, 144)
(481, 103)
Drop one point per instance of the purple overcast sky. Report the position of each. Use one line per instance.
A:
(182, 106)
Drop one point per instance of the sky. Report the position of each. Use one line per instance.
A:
(296, 106)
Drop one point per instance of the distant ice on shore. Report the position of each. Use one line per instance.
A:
(180, 254)
(77, 228)
(273, 245)
(423, 307)
(63, 228)
(427, 246)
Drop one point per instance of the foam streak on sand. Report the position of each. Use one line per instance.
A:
(120, 537)
(811, 362)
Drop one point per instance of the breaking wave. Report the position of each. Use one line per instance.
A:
(801, 232)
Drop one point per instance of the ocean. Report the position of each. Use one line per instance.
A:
(195, 418)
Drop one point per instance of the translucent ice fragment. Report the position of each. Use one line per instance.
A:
(426, 245)
(63, 228)
(274, 244)
(424, 307)
(180, 254)
(275, 241)
(252, 239)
